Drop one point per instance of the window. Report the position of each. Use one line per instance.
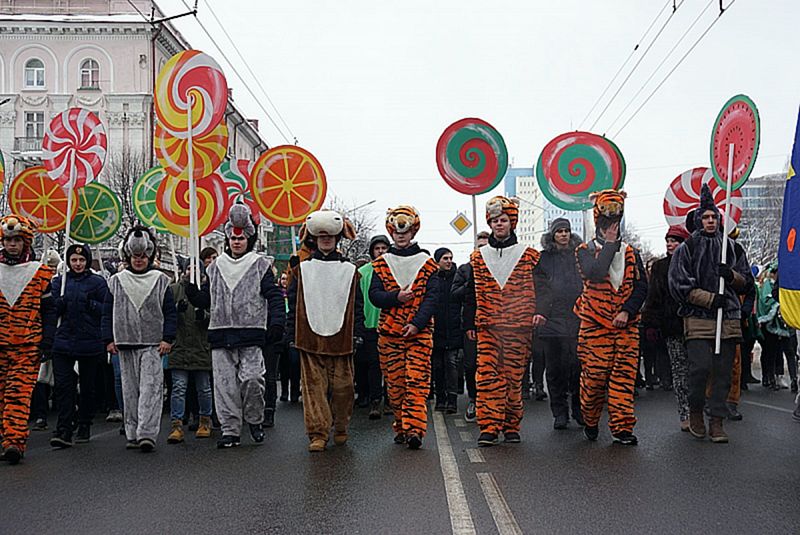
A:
(90, 74)
(34, 73)
(34, 124)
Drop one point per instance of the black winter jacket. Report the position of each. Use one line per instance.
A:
(557, 271)
(661, 309)
(447, 332)
(80, 311)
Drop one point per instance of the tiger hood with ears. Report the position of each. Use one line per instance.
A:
(402, 219)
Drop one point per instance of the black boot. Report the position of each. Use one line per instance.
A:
(269, 418)
(539, 393)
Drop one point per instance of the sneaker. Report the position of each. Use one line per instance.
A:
(317, 445)
(61, 440)
(11, 455)
(578, 417)
(375, 409)
(733, 412)
(512, 437)
(716, 431)
(626, 438)
(146, 445)
(469, 414)
(40, 425)
(227, 441)
(269, 418)
(561, 421)
(400, 438)
(697, 424)
(257, 432)
(591, 432)
(340, 439)
(487, 440)
(84, 434)
(114, 416)
(132, 445)
(414, 442)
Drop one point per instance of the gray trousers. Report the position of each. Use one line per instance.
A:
(142, 391)
(238, 387)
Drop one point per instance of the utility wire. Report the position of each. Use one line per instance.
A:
(663, 61)
(702, 35)
(247, 66)
(636, 65)
(635, 48)
(239, 76)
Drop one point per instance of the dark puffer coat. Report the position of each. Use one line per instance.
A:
(557, 270)
(447, 332)
(191, 350)
(80, 311)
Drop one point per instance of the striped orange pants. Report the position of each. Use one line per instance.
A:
(406, 367)
(19, 368)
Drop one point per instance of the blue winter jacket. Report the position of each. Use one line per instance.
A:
(79, 312)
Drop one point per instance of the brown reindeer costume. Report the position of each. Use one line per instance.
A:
(326, 319)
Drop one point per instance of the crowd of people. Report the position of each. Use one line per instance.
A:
(388, 334)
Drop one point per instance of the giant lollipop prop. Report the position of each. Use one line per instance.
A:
(236, 175)
(99, 214)
(190, 100)
(73, 151)
(735, 138)
(35, 195)
(472, 159)
(683, 196)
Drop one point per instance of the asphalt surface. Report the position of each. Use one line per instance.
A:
(553, 482)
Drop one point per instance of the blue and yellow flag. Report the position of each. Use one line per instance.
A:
(789, 250)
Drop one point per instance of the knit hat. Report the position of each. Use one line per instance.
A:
(52, 258)
(80, 250)
(689, 224)
(557, 224)
(402, 219)
(677, 232)
(496, 206)
(440, 252)
(380, 238)
(706, 203)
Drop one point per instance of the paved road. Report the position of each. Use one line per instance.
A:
(554, 482)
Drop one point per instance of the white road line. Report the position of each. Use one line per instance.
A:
(460, 423)
(475, 455)
(503, 517)
(466, 436)
(764, 405)
(460, 516)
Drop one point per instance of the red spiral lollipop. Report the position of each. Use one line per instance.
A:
(683, 196)
(75, 139)
(172, 204)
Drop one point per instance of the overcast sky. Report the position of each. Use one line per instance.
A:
(368, 86)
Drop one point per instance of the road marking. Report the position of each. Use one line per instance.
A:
(475, 455)
(466, 436)
(501, 512)
(764, 405)
(460, 517)
(460, 423)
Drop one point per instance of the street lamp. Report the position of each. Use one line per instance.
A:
(357, 208)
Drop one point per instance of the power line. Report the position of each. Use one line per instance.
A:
(642, 105)
(638, 62)
(663, 61)
(247, 66)
(239, 76)
(614, 78)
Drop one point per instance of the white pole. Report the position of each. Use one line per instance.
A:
(294, 238)
(726, 231)
(193, 224)
(68, 229)
(474, 222)
(174, 257)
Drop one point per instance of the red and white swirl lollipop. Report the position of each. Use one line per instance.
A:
(74, 146)
(683, 196)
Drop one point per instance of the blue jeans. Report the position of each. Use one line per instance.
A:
(117, 380)
(180, 380)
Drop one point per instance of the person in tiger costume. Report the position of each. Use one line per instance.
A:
(26, 331)
(500, 307)
(404, 288)
(326, 324)
(614, 289)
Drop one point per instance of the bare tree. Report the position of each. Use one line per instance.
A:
(761, 218)
(630, 235)
(122, 172)
(364, 222)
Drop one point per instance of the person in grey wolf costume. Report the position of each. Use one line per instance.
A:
(139, 322)
(247, 311)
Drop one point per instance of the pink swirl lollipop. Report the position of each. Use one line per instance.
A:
(683, 196)
(236, 175)
(75, 139)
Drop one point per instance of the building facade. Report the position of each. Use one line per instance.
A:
(760, 225)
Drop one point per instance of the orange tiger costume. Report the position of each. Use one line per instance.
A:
(27, 312)
(405, 360)
(613, 282)
(501, 308)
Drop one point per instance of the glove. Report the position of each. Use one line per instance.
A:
(274, 334)
(718, 302)
(652, 334)
(725, 272)
(183, 305)
(358, 341)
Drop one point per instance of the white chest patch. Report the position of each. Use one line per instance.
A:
(14, 279)
(326, 291)
(405, 268)
(616, 272)
(138, 286)
(234, 269)
(501, 262)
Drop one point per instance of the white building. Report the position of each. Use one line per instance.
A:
(97, 54)
(535, 211)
